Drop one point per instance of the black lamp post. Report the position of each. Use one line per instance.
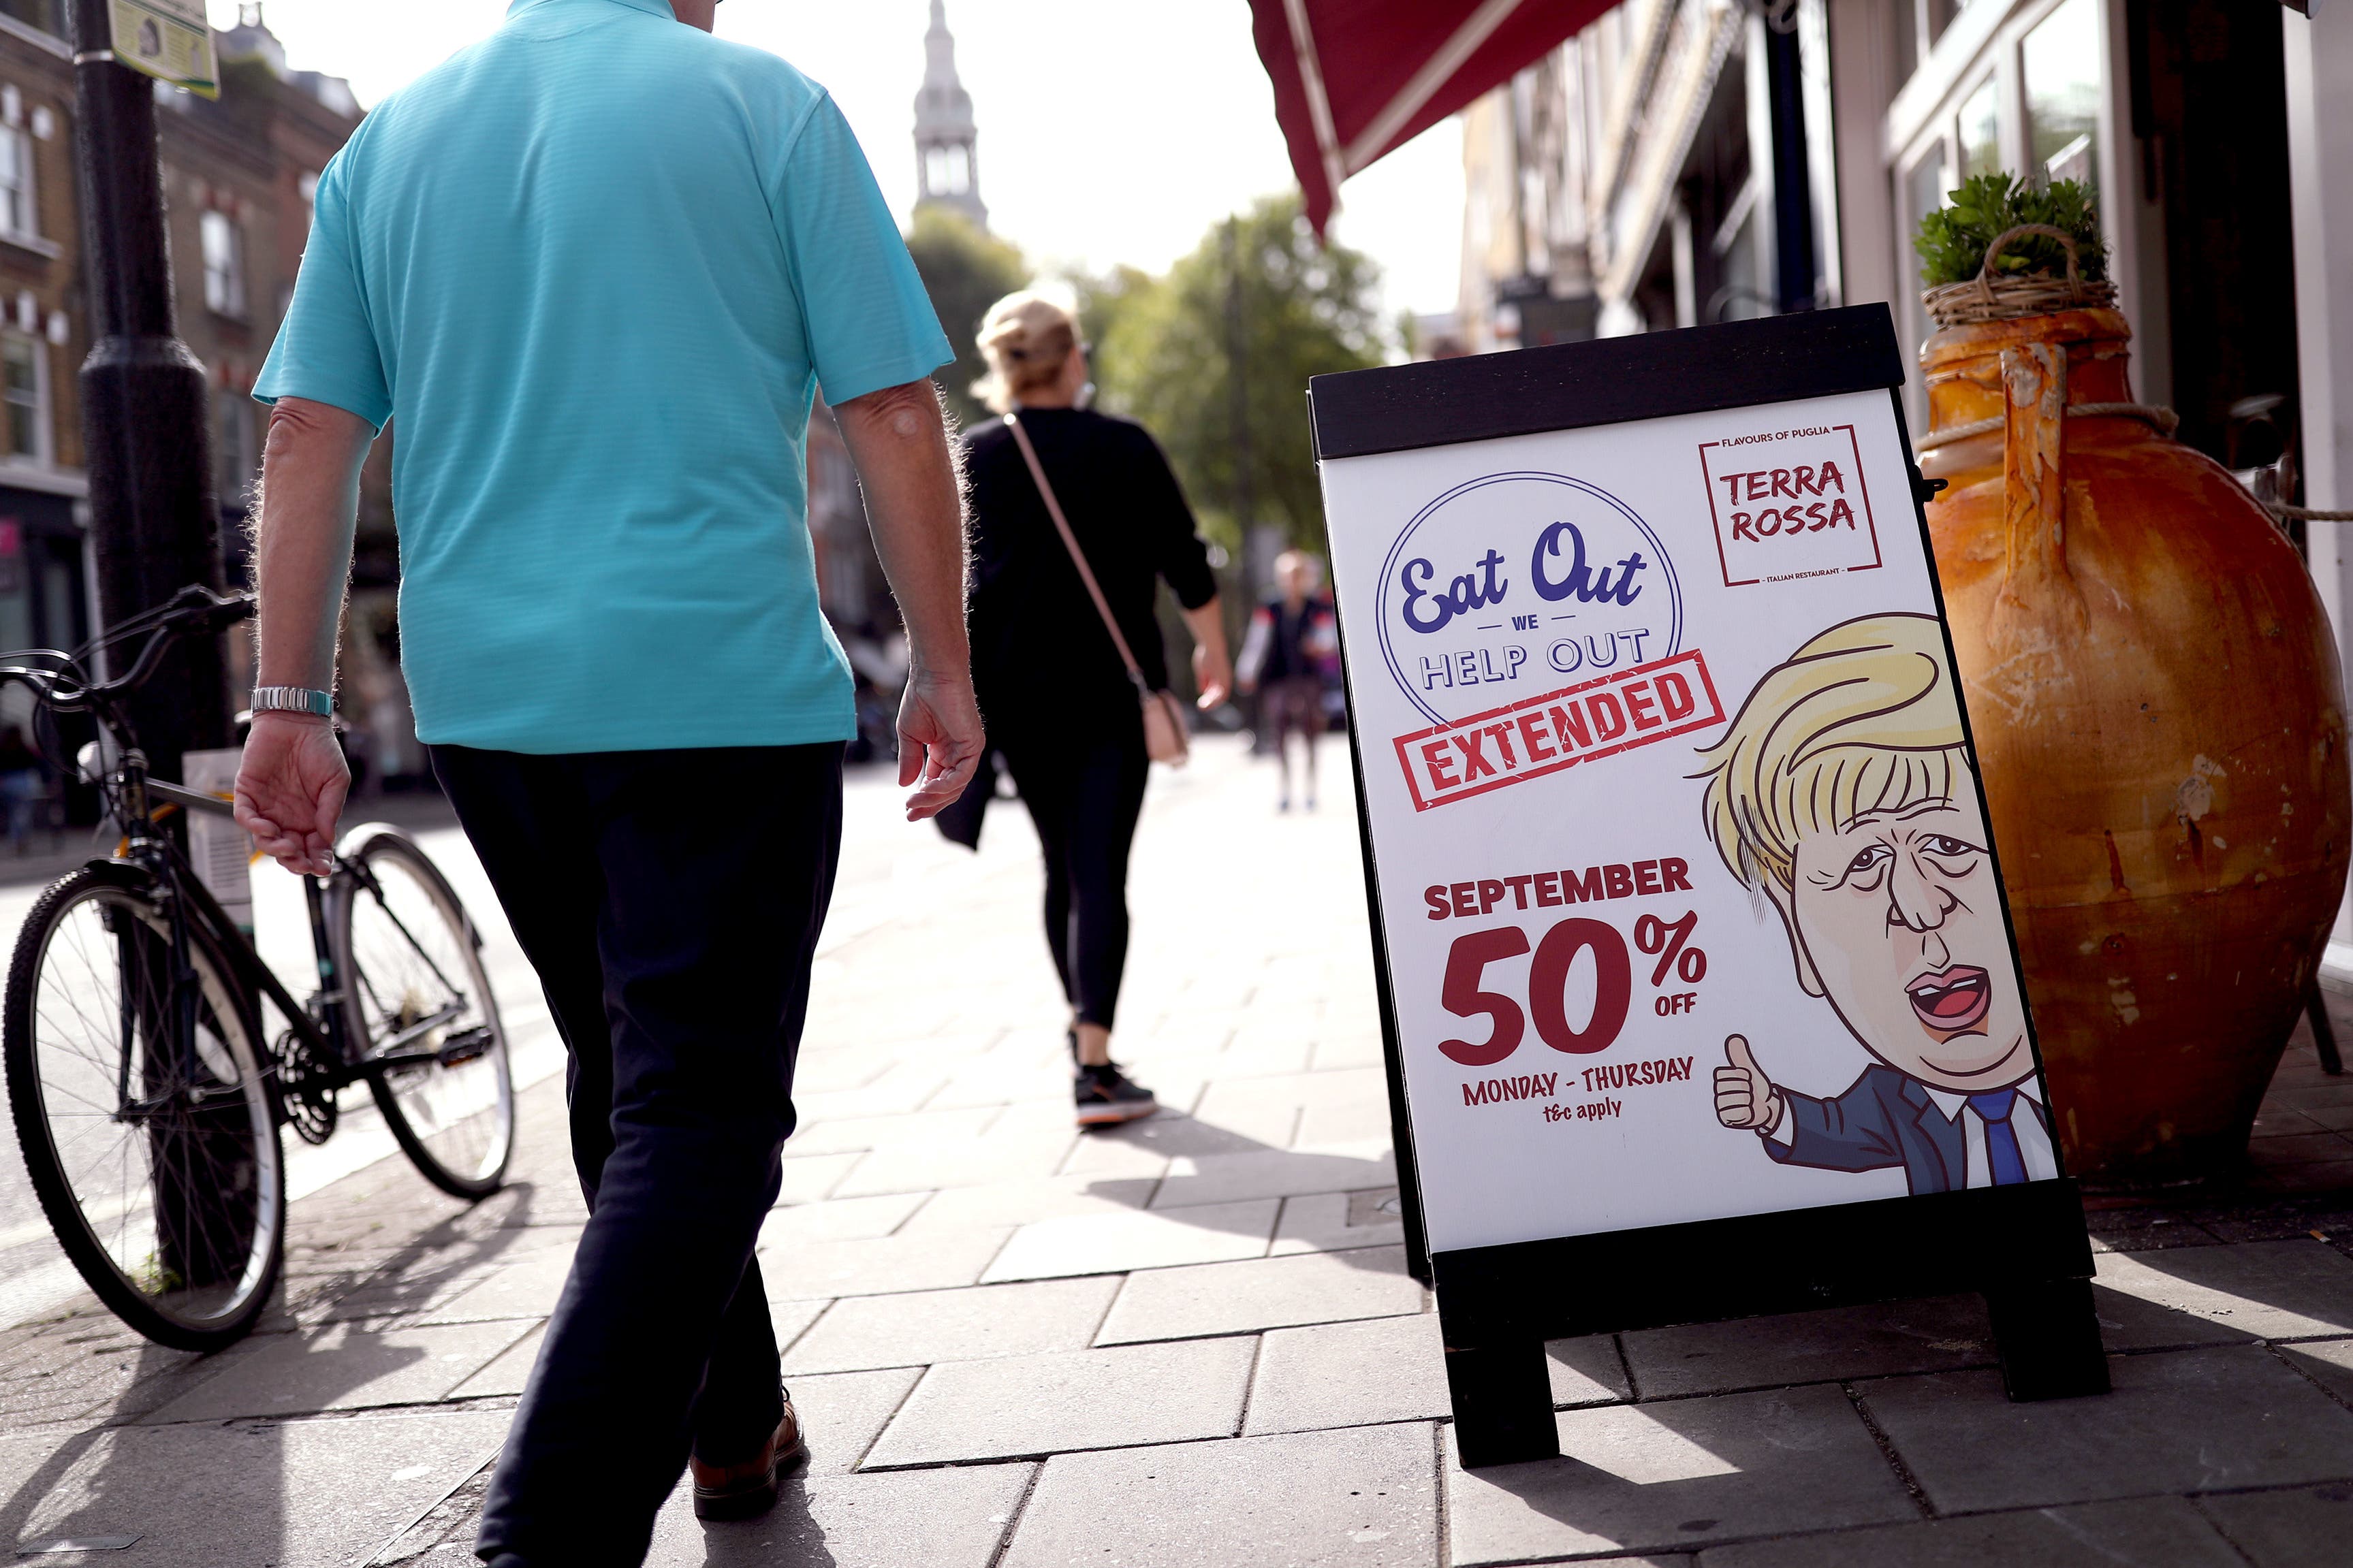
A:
(144, 400)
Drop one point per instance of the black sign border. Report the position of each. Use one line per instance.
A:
(2025, 1248)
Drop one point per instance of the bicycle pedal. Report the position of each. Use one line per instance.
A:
(465, 1046)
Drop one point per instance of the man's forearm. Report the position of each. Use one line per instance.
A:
(302, 549)
(914, 503)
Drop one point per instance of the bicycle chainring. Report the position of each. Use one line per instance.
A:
(306, 1088)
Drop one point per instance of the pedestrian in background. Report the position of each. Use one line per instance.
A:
(594, 265)
(24, 786)
(1055, 686)
(1290, 656)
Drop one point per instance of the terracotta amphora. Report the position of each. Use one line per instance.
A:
(2158, 708)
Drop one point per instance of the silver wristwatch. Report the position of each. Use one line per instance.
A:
(293, 700)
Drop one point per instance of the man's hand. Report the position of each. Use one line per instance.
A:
(940, 741)
(290, 789)
(1744, 1097)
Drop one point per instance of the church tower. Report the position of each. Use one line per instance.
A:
(947, 164)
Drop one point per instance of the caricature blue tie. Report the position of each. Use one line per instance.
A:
(2002, 1155)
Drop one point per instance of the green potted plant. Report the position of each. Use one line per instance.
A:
(2005, 248)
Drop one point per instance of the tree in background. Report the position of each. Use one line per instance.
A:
(1166, 356)
(965, 270)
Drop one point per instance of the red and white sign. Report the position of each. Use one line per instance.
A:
(1540, 736)
(1789, 503)
(1711, 863)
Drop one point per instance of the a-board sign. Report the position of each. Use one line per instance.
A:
(1700, 981)
(168, 39)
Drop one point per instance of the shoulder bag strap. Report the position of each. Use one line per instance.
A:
(1078, 556)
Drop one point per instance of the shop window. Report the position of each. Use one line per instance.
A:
(20, 396)
(20, 216)
(1980, 131)
(2061, 68)
(224, 245)
(41, 13)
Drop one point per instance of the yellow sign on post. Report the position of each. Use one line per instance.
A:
(168, 39)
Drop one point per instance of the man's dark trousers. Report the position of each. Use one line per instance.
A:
(674, 942)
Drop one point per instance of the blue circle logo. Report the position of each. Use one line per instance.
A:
(1517, 585)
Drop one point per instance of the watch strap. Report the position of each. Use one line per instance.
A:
(293, 700)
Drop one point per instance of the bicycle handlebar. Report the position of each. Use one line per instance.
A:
(194, 611)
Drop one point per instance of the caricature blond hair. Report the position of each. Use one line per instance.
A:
(1861, 719)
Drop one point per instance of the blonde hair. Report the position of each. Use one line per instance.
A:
(1305, 562)
(1026, 337)
(1861, 719)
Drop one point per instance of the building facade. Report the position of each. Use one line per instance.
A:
(236, 189)
(1718, 159)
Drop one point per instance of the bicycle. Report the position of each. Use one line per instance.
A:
(145, 1099)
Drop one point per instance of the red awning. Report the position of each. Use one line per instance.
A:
(1355, 79)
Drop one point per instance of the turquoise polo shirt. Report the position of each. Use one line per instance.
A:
(593, 268)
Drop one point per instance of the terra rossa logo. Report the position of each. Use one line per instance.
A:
(1515, 583)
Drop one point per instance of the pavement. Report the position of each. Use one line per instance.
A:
(1191, 1341)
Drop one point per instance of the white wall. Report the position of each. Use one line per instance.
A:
(2320, 174)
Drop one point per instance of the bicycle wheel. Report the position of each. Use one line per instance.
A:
(412, 974)
(144, 1115)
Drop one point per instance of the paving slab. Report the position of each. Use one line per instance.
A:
(1811, 1347)
(806, 1181)
(89, 1367)
(843, 1412)
(526, 1288)
(923, 1519)
(347, 1366)
(2147, 1532)
(2178, 1421)
(839, 1219)
(1166, 1135)
(918, 1328)
(505, 1373)
(1365, 1497)
(1349, 1374)
(1338, 1222)
(1586, 1371)
(1116, 1243)
(294, 1494)
(833, 1135)
(1024, 1406)
(1042, 1197)
(956, 1163)
(1262, 1293)
(2256, 1289)
(2329, 1362)
(1637, 1478)
(1193, 1180)
(904, 1262)
(2310, 1527)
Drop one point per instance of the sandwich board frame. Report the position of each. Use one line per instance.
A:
(2022, 1246)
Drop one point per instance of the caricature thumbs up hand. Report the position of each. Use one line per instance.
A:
(1744, 1097)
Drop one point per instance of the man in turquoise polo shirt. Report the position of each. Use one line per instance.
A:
(595, 268)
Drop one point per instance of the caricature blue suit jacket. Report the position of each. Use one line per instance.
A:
(1885, 1119)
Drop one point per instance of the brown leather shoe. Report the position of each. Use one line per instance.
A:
(748, 1489)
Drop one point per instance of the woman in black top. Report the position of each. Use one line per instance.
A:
(1055, 693)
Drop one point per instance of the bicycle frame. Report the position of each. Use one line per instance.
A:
(325, 1025)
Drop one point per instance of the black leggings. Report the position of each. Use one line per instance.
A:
(1085, 797)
